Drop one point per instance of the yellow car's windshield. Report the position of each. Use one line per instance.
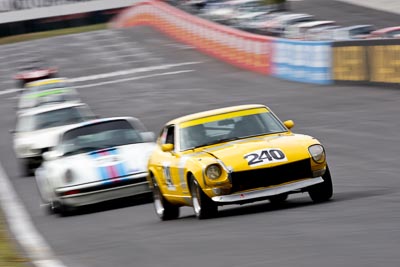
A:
(227, 129)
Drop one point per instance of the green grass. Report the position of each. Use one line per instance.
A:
(46, 34)
(9, 254)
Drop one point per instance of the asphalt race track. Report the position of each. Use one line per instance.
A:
(156, 79)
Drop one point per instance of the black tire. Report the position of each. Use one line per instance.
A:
(323, 191)
(51, 76)
(25, 168)
(164, 210)
(203, 206)
(278, 199)
(51, 208)
(62, 210)
(21, 83)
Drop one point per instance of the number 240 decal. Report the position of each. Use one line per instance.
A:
(265, 156)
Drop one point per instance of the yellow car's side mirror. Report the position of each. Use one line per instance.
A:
(289, 124)
(167, 147)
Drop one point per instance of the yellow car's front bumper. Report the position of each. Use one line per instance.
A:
(258, 194)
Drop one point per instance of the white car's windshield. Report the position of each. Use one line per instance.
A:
(36, 98)
(48, 86)
(53, 118)
(229, 129)
(101, 135)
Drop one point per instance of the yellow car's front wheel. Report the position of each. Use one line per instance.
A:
(323, 191)
(203, 206)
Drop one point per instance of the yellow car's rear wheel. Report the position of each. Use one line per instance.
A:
(203, 206)
(164, 210)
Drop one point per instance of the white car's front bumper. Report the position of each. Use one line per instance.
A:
(79, 196)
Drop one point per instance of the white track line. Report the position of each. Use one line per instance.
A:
(133, 78)
(21, 226)
(131, 71)
(118, 73)
(9, 91)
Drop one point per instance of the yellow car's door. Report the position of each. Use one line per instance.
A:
(169, 167)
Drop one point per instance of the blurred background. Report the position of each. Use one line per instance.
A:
(332, 66)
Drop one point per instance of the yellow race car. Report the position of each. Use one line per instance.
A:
(234, 155)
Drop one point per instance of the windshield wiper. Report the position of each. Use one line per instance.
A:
(81, 150)
(47, 125)
(70, 153)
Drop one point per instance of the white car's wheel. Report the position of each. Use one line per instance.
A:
(164, 210)
(63, 210)
(25, 168)
(203, 206)
(51, 208)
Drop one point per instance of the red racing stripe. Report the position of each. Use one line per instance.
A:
(111, 170)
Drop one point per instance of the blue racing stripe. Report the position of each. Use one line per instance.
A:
(101, 170)
(121, 168)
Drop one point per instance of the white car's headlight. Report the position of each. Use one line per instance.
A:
(317, 153)
(27, 149)
(213, 171)
(23, 149)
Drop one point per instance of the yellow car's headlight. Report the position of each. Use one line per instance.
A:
(214, 171)
(317, 153)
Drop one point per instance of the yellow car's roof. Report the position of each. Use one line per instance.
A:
(45, 81)
(213, 112)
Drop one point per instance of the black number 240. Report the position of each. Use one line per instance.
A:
(264, 156)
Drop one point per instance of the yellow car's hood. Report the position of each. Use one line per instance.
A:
(264, 151)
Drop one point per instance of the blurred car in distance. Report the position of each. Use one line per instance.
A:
(234, 155)
(245, 17)
(353, 32)
(190, 6)
(37, 129)
(33, 70)
(216, 11)
(388, 32)
(223, 12)
(324, 33)
(257, 24)
(277, 26)
(298, 30)
(96, 161)
(47, 91)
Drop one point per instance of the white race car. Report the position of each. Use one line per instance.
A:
(37, 129)
(47, 92)
(96, 161)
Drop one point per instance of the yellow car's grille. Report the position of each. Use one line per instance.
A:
(250, 179)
